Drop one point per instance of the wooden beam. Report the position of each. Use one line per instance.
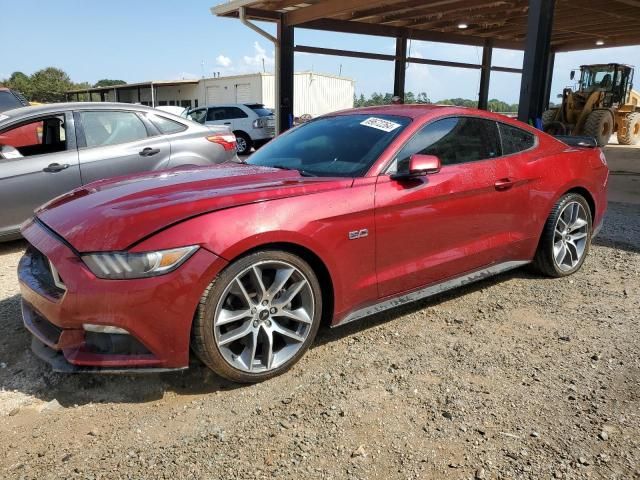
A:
(325, 9)
(257, 14)
(428, 11)
(361, 28)
(571, 46)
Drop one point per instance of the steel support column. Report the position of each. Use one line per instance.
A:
(285, 64)
(536, 59)
(485, 75)
(400, 67)
(548, 80)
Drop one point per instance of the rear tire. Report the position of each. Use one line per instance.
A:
(630, 133)
(548, 116)
(243, 142)
(258, 317)
(599, 125)
(566, 237)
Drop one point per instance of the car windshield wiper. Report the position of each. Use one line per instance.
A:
(304, 173)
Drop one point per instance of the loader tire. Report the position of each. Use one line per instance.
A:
(599, 125)
(629, 133)
(548, 116)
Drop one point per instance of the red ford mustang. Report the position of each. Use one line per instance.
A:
(339, 218)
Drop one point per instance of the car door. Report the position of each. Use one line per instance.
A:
(443, 225)
(118, 142)
(44, 166)
(217, 116)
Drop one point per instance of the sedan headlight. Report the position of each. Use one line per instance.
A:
(124, 265)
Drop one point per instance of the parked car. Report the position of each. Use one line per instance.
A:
(252, 123)
(174, 109)
(48, 150)
(10, 99)
(347, 215)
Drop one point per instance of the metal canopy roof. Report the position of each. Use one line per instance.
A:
(578, 25)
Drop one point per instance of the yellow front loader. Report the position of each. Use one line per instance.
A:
(603, 104)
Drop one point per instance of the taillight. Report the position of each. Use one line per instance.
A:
(227, 140)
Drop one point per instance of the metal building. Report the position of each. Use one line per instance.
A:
(314, 93)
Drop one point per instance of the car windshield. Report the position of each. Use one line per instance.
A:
(339, 146)
(260, 110)
(597, 77)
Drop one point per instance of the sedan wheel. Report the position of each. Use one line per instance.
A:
(258, 317)
(571, 235)
(566, 237)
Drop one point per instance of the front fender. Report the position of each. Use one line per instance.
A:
(319, 223)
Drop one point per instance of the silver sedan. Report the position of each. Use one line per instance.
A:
(48, 150)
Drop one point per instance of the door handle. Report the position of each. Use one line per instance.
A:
(227, 123)
(504, 184)
(147, 152)
(55, 167)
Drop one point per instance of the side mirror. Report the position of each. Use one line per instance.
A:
(418, 166)
(572, 75)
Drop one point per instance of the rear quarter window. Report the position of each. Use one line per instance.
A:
(515, 140)
(166, 125)
(8, 101)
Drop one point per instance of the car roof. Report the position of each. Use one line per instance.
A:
(56, 107)
(415, 111)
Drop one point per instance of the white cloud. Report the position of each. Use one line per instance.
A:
(223, 61)
(259, 57)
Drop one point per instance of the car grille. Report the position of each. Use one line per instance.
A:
(42, 275)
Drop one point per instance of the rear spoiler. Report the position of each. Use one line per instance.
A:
(577, 141)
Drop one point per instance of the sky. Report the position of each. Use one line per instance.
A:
(144, 40)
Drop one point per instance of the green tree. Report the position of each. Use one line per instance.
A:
(49, 85)
(20, 82)
(106, 82)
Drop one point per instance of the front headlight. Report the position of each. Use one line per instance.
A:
(124, 265)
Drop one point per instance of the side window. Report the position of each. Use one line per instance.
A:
(453, 140)
(198, 115)
(165, 125)
(39, 137)
(215, 114)
(234, 112)
(515, 140)
(102, 128)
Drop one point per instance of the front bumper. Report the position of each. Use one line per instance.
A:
(156, 312)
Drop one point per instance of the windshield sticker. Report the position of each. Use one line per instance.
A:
(3, 117)
(380, 124)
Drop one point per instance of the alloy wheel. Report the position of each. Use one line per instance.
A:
(264, 316)
(570, 236)
(241, 144)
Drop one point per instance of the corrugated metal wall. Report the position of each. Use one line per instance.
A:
(314, 93)
(319, 94)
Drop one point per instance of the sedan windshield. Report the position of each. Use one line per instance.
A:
(340, 146)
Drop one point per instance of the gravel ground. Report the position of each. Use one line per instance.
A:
(514, 377)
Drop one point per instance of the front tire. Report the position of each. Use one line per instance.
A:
(258, 317)
(549, 116)
(566, 237)
(599, 125)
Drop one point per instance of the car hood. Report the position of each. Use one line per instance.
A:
(115, 214)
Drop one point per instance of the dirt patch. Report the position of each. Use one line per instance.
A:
(514, 377)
